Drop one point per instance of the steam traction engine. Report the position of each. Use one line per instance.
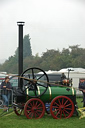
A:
(36, 92)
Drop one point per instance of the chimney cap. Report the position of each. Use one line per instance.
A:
(20, 23)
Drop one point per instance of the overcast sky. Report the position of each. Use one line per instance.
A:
(51, 24)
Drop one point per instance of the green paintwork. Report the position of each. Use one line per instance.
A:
(53, 92)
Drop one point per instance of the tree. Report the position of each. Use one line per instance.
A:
(50, 60)
(26, 46)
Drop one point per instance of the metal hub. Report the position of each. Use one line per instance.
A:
(34, 109)
(62, 107)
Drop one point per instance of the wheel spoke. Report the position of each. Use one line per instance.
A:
(30, 104)
(68, 105)
(66, 111)
(59, 101)
(40, 76)
(60, 114)
(33, 73)
(39, 108)
(33, 103)
(64, 114)
(65, 102)
(21, 111)
(37, 113)
(62, 101)
(32, 115)
(18, 110)
(29, 113)
(69, 108)
(42, 85)
(38, 105)
(28, 85)
(55, 107)
(56, 104)
(56, 110)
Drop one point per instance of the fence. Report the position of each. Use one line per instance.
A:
(10, 101)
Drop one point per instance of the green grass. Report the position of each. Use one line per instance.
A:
(14, 121)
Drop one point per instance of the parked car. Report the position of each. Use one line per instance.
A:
(2, 76)
(14, 82)
(1, 79)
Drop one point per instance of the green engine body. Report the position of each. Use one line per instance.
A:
(52, 92)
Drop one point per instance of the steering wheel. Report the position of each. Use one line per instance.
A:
(32, 79)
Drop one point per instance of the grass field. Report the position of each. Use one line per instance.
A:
(14, 121)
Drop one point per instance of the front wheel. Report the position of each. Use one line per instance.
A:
(34, 108)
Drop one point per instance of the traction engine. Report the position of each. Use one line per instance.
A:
(38, 96)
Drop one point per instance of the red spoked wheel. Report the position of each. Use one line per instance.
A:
(19, 110)
(34, 108)
(61, 107)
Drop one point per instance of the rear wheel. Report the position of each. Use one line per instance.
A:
(61, 107)
(19, 109)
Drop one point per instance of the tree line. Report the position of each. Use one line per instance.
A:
(52, 59)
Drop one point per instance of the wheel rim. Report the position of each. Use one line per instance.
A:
(34, 108)
(32, 84)
(19, 111)
(61, 107)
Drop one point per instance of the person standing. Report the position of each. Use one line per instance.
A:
(82, 88)
(6, 92)
(63, 76)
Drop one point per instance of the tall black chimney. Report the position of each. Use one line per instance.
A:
(20, 51)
